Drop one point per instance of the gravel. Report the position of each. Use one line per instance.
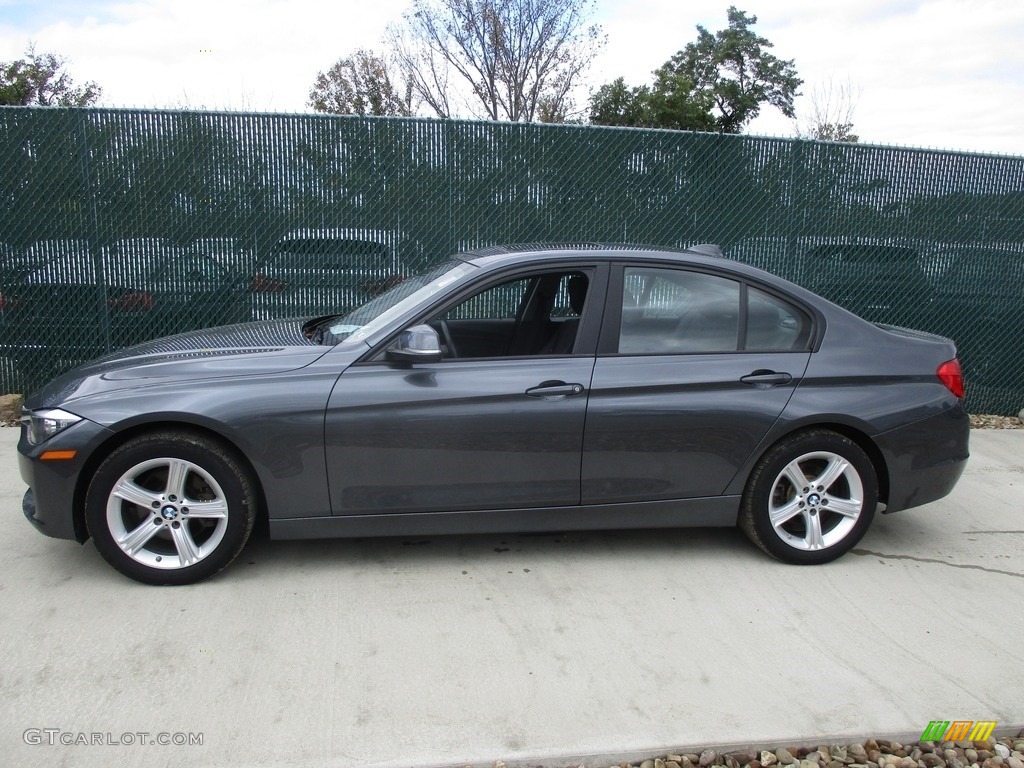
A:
(1005, 752)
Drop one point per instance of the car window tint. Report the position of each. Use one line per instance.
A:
(672, 311)
(500, 302)
(774, 324)
(572, 289)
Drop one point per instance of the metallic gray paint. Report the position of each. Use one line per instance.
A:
(344, 443)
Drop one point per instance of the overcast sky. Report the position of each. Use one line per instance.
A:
(945, 74)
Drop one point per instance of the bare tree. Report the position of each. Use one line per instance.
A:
(830, 114)
(500, 59)
(360, 84)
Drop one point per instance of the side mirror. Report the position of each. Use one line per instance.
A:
(418, 344)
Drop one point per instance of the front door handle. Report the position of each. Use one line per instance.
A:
(763, 378)
(552, 390)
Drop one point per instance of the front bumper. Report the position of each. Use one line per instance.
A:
(52, 503)
(926, 458)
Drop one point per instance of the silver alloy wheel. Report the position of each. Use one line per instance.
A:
(167, 513)
(815, 501)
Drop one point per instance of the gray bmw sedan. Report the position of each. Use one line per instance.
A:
(532, 388)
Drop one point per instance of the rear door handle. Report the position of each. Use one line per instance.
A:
(763, 378)
(552, 390)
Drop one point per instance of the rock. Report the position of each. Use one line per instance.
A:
(786, 757)
(674, 758)
(692, 757)
(731, 762)
(871, 746)
(971, 755)
(908, 762)
(993, 762)
(1014, 762)
(707, 757)
(931, 760)
(672, 764)
(805, 763)
(659, 763)
(838, 751)
(984, 754)
(647, 764)
(857, 750)
(10, 407)
(834, 764)
(1002, 750)
(874, 756)
(768, 758)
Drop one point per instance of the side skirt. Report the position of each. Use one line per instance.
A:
(717, 511)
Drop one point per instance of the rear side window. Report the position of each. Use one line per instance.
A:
(672, 311)
(678, 311)
(774, 324)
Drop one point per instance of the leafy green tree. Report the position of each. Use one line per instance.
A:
(720, 82)
(615, 103)
(40, 79)
(733, 68)
(360, 84)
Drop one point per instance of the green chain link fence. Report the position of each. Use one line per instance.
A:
(122, 225)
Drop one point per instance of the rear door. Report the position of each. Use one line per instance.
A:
(693, 369)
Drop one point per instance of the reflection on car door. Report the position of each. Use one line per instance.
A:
(496, 432)
(689, 386)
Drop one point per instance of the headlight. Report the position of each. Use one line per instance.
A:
(42, 425)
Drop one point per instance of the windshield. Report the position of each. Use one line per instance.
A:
(377, 313)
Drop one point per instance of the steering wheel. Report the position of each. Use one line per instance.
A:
(448, 340)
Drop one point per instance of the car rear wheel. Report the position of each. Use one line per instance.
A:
(170, 508)
(810, 499)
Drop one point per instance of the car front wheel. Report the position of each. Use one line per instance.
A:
(810, 499)
(170, 508)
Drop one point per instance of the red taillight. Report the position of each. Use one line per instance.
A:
(949, 373)
(263, 284)
(136, 301)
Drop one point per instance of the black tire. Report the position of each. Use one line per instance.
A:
(183, 509)
(819, 521)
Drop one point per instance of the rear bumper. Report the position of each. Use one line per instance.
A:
(925, 459)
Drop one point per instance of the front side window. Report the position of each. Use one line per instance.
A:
(528, 316)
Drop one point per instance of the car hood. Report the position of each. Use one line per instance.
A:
(246, 349)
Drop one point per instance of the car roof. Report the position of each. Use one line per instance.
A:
(706, 255)
(703, 249)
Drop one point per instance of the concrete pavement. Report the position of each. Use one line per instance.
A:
(531, 649)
